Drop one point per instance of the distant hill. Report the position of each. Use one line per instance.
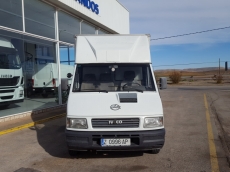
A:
(190, 71)
(205, 69)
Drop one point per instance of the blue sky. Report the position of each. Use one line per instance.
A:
(168, 18)
(189, 53)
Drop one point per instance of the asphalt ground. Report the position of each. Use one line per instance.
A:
(220, 106)
(193, 141)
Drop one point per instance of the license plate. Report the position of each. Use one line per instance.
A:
(115, 142)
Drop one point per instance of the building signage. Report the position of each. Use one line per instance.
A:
(90, 5)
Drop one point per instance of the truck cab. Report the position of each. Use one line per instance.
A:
(114, 103)
(11, 76)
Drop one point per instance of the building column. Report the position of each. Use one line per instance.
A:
(23, 17)
(58, 57)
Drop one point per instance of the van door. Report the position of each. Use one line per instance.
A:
(43, 76)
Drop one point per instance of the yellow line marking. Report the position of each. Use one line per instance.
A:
(31, 124)
(212, 147)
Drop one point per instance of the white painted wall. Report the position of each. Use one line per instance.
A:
(112, 14)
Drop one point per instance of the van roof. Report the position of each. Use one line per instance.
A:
(112, 49)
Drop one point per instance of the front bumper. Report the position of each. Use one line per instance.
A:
(42, 89)
(140, 140)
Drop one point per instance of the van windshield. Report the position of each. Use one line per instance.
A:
(113, 77)
(9, 58)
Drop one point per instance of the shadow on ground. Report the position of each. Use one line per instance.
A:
(51, 137)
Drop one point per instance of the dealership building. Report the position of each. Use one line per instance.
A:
(42, 32)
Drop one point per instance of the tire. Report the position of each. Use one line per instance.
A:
(4, 106)
(72, 153)
(154, 151)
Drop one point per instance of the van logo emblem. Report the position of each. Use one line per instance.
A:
(115, 107)
(114, 122)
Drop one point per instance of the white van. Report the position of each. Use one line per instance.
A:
(114, 103)
(45, 77)
(11, 76)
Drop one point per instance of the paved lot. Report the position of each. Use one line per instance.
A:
(220, 105)
(42, 148)
(28, 105)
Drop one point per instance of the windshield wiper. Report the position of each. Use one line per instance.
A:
(134, 89)
(92, 90)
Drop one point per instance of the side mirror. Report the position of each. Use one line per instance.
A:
(163, 83)
(69, 75)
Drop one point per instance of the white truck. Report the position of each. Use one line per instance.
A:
(114, 102)
(11, 76)
(45, 77)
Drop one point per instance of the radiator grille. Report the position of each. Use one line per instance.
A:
(9, 81)
(116, 123)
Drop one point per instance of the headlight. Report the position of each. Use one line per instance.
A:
(76, 123)
(153, 122)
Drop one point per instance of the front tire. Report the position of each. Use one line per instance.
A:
(4, 106)
(72, 153)
(154, 151)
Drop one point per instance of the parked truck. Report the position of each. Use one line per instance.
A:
(114, 102)
(11, 76)
(45, 77)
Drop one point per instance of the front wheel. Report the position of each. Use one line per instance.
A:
(4, 106)
(154, 151)
(72, 153)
